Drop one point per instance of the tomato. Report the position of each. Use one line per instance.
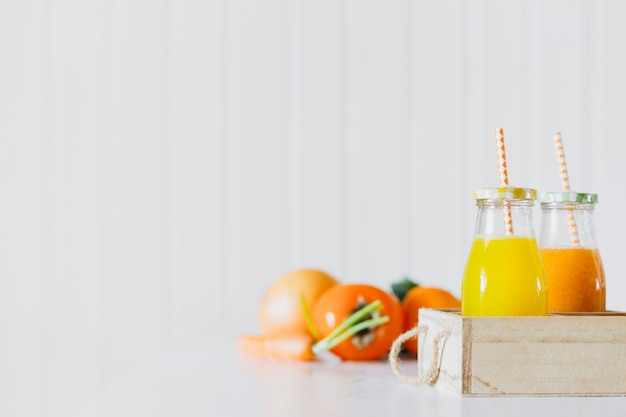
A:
(341, 300)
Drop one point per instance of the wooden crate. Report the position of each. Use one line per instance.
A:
(564, 354)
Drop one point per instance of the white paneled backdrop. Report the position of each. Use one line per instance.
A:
(162, 162)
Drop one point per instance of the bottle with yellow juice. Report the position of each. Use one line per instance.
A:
(504, 274)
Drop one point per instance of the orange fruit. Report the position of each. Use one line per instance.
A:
(428, 297)
(336, 304)
(280, 311)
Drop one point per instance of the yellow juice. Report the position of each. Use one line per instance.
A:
(504, 276)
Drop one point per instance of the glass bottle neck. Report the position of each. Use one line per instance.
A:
(492, 218)
(567, 225)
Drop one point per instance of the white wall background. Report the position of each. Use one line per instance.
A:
(162, 162)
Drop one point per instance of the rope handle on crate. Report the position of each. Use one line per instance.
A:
(432, 375)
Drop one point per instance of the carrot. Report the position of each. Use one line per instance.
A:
(302, 346)
(294, 346)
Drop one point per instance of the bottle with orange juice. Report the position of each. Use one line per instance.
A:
(504, 275)
(570, 252)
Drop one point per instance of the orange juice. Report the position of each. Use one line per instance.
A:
(576, 279)
(504, 276)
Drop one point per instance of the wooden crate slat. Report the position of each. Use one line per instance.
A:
(565, 354)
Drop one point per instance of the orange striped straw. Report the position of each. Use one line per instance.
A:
(504, 180)
(560, 154)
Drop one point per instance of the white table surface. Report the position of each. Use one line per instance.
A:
(223, 382)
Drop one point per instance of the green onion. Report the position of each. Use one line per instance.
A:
(350, 326)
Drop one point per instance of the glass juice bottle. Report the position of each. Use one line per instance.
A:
(504, 275)
(570, 253)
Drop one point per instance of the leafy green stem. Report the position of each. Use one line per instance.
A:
(329, 343)
(308, 319)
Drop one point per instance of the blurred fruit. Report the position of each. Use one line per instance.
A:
(280, 311)
(336, 304)
(428, 297)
